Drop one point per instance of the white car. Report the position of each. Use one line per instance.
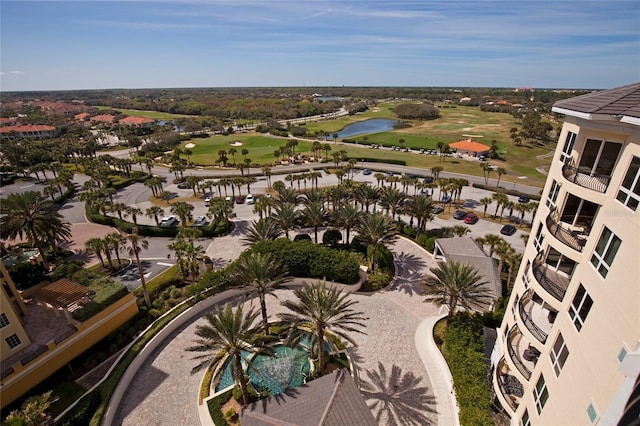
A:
(169, 221)
(249, 199)
(200, 221)
(207, 200)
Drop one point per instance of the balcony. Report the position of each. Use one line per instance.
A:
(536, 317)
(574, 237)
(516, 345)
(584, 177)
(510, 387)
(553, 282)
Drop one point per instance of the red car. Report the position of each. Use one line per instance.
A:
(471, 218)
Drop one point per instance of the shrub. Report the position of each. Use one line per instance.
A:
(85, 409)
(377, 280)
(463, 349)
(215, 407)
(535, 197)
(27, 274)
(430, 244)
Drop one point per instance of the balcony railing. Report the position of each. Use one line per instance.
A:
(509, 385)
(551, 281)
(537, 332)
(569, 238)
(585, 178)
(515, 356)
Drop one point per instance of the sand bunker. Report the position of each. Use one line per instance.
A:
(236, 143)
(474, 136)
(190, 145)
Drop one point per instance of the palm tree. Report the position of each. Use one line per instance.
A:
(347, 217)
(391, 200)
(454, 284)
(492, 240)
(318, 311)
(421, 207)
(500, 171)
(262, 275)
(285, 216)
(183, 210)
(30, 214)
(315, 215)
(513, 260)
(262, 230)
(460, 230)
(374, 230)
(134, 212)
(500, 200)
(33, 412)
(95, 246)
(227, 335)
(135, 244)
(154, 212)
(115, 241)
(485, 203)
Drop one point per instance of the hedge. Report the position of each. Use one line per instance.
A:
(463, 349)
(306, 259)
(506, 191)
(379, 160)
(106, 293)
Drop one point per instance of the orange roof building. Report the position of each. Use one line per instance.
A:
(28, 131)
(82, 116)
(137, 121)
(470, 147)
(105, 118)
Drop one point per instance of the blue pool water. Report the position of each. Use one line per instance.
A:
(275, 374)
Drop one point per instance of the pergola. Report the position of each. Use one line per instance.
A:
(63, 294)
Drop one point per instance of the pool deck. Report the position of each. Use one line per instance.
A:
(401, 373)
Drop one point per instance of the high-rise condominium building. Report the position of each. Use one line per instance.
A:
(568, 349)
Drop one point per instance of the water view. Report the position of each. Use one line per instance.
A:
(375, 125)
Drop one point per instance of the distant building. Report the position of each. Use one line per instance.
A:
(138, 121)
(30, 131)
(568, 348)
(103, 118)
(470, 147)
(38, 334)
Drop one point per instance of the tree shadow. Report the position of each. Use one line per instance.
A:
(409, 272)
(397, 398)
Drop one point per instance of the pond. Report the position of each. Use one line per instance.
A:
(375, 125)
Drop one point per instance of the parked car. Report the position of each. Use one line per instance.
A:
(523, 199)
(169, 221)
(459, 214)
(201, 221)
(388, 174)
(427, 180)
(183, 185)
(437, 209)
(249, 199)
(508, 230)
(207, 200)
(471, 218)
(410, 175)
(446, 199)
(366, 171)
(239, 200)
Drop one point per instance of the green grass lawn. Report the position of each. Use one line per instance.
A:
(156, 115)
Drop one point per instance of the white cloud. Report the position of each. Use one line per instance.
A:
(16, 72)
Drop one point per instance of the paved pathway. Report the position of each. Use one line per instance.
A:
(393, 376)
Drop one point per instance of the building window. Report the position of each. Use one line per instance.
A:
(526, 421)
(525, 275)
(537, 241)
(540, 394)
(565, 156)
(580, 307)
(622, 354)
(13, 341)
(559, 354)
(629, 193)
(514, 307)
(553, 195)
(592, 413)
(605, 252)
(4, 321)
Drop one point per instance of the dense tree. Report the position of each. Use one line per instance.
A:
(134, 246)
(376, 229)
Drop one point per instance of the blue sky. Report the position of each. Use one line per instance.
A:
(123, 44)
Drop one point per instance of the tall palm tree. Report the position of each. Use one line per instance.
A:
(454, 284)
(374, 230)
(262, 230)
(262, 275)
(391, 200)
(30, 214)
(320, 310)
(183, 210)
(134, 212)
(115, 241)
(154, 212)
(95, 246)
(286, 217)
(315, 215)
(227, 335)
(347, 217)
(421, 207)
(485, 203)
(365, 194)
(135, 244)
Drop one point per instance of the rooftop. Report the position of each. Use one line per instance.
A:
(622, 103)
(137, 120)
(333, 399)
(27, 128)
(470, 145)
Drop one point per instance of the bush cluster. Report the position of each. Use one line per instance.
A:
(306, 259)
(463, 349)
(506, 191)
(379, 160)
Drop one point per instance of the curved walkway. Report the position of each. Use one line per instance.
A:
(401, 378)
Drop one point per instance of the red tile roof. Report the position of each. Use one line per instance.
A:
(4, 120)
(81, 116)
(137, 120)
(28, 128)
(103, 117)
(470, 145)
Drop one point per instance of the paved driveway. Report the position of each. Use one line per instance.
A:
(394, 380)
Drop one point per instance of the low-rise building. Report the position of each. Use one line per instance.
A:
(30, 131)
